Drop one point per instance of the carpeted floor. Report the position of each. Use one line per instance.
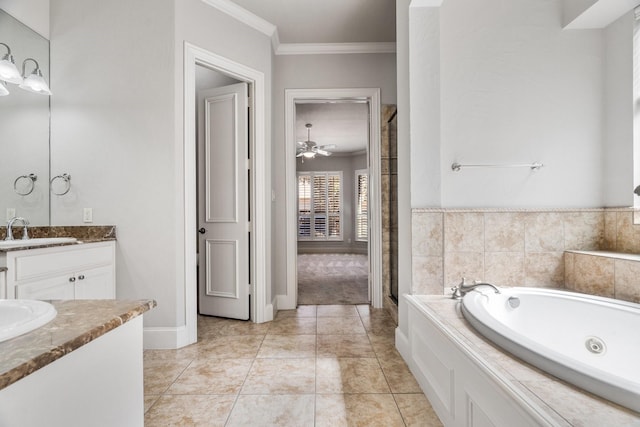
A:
(333, 279)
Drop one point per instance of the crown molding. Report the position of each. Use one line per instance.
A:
(334, 48)
(270, 30)
(244, 16)
(426, 3)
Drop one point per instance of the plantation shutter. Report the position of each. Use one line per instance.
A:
(362, 205)
(304, 206)
(320, 205)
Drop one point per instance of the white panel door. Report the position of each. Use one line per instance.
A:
(223, 202)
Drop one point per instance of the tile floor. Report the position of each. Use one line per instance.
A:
(328, 365)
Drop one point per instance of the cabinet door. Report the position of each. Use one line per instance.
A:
(97, 283)
(54, 288)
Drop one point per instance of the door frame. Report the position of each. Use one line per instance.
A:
(372, 96)
(261, 310)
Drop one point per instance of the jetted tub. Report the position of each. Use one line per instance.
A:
(591, 342)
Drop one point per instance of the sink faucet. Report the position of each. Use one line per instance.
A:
(462, 288)
(25, 231)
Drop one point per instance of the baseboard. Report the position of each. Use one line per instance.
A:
(270, 310)
(285, 302)
(161, 338)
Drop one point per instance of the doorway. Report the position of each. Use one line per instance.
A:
(223, 113)
(332, 143)
(260, 310)
(370, 97)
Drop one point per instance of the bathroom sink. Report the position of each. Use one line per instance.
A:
(19, 243)
(19, 316)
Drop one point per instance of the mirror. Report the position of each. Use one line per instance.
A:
(24, 130)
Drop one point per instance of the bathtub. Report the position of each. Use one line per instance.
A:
(591, 342)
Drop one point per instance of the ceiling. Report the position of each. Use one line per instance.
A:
(328, 21)
(343, 124)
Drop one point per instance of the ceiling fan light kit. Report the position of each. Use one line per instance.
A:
(309, 149)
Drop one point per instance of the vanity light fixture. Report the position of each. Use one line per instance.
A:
(34, 82)
(8, 70)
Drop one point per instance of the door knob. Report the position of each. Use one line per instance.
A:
(202, 230)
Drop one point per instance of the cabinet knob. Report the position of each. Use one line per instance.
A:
(81, 277)
(72, 279)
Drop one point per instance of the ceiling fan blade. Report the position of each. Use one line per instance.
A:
(323, 152)
(302, 143)
(300, 154)
(327, 147)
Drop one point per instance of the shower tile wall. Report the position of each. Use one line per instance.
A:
(508, 247)
(389, 185)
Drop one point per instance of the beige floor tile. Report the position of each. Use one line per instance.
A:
(209, 326)
(366, 410)
(212, 376)
(235, 327)
(281, 376)
(350, 375)
(189, 411)
(288, 346)
(160, 374)
(185, 354)
(364, 309)
(340, 325)
(273, 410)
(149, 400)
(379, 325)
(317, 365)
(398, 375)
(384, 345)
(293, 326)
(337, 310)
(301, 311)
(416, 410)
(230, 347)
(344, 346)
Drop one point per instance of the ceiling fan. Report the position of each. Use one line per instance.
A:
(309, 149)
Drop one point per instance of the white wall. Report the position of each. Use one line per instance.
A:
(33, 13)
(425, 102)
(117, 128)
(113, 131)
(313, 72)
(404, 160)
(514, 88)
(619, 110)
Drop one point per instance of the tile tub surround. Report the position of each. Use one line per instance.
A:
(510, 247)
(604, 273)
(565, 404)
(77, 323)
(317, 365)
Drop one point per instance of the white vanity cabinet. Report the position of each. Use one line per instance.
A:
(83, 271)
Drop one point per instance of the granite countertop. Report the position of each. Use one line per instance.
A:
(567, 404)
(84, 234)
(78, 322)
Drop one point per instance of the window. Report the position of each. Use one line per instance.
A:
(362, 205)
(319, 205)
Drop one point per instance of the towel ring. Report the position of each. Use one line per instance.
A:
(67, 182)
(32, 177)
